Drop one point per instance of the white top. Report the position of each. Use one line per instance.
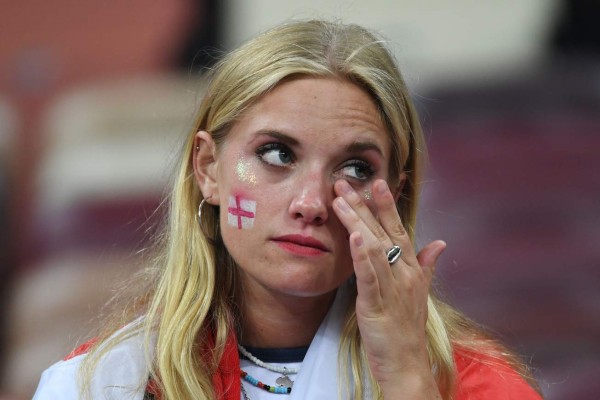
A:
(123, 372)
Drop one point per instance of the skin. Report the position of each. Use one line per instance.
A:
(310, 179)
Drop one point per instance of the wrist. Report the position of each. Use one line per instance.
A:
(410, 386)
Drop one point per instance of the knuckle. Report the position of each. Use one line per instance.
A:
(398, 230)
(355, 201)
(379, 232)
(362, 256)
(376, 250)
(370, 278)
(354, 218)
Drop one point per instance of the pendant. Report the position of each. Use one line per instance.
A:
(284, 381)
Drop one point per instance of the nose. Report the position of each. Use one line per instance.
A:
(310, 199)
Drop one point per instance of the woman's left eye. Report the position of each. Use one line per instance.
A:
(358, 169)
(276, 154)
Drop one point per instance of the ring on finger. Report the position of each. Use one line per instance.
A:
(393, 254)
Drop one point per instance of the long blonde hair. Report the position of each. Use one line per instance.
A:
(191, 295)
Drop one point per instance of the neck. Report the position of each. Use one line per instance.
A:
(275, 320)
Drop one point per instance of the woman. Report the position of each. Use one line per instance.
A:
(288, 257)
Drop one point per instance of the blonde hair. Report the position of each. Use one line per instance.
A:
(192, 292)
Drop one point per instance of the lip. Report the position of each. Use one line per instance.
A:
(301, 245)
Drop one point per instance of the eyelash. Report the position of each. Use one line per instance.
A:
(266, 148)
(368, 170)
(262, 153)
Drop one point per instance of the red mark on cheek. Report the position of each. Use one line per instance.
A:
(241, 212)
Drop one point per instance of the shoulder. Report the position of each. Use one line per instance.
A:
(60, 381)
(122, 372)
(482, 377)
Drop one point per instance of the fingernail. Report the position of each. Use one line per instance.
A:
(382, 187)
(358, 240)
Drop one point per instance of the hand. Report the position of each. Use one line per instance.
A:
(391, 307)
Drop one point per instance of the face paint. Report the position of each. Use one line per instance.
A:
(241, 212)
(244, 172)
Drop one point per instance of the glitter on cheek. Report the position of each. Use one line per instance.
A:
(367, 194)
(244, 172)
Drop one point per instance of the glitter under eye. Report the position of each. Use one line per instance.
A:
(244, 172)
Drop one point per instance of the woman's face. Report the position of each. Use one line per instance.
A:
(275, 176)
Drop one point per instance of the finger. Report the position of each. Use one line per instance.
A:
(371, 246)
(367, 283)
(344, 189)
(430, 254)
(353, 222)
(390, 220)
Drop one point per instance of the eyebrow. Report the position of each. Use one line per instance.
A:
(290, 141)
(359, 147)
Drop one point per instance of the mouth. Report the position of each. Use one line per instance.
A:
(301, 245)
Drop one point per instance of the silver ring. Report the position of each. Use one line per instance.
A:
(394, 254)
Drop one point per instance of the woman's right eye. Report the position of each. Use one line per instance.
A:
(276, 154)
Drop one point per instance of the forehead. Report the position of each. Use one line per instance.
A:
(319, 111)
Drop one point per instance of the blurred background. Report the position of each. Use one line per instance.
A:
(96, 97)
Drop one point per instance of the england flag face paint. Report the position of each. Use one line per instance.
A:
(241, 212)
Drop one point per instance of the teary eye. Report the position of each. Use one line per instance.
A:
(357, 169)
(276, 154)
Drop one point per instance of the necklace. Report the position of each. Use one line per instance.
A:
(283, 380)
(269, 388)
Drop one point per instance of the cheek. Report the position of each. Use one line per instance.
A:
(240, 212)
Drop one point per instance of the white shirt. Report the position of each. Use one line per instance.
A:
(123, 372)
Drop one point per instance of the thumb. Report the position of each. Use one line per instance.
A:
(428, 256)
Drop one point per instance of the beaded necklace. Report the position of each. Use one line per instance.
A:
(264, 386)
(284, 382)
(273, 368)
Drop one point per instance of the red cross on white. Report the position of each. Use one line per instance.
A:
(241, 212)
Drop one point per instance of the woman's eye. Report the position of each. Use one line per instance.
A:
(358, 169)
(275, 154)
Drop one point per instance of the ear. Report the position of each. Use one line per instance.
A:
(205, 166)
(397, 191)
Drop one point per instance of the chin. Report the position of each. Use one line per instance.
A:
(299, 285)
